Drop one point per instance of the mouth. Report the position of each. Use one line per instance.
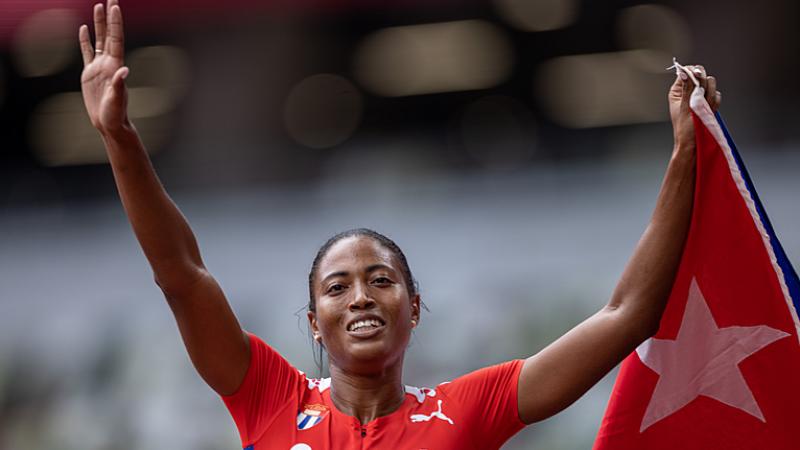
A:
(365, 326)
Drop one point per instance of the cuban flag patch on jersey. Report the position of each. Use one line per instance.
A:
(311, 415)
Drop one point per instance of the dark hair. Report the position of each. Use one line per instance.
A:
(411, 283)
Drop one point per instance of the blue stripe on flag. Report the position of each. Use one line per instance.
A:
(302, 424)
(249, 447)
(789, 274)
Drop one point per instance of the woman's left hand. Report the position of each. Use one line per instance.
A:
(679, 94)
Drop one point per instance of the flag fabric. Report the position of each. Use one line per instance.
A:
(723, 370)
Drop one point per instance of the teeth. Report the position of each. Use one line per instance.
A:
(361, 324)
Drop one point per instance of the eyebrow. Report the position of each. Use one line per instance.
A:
(370, 269)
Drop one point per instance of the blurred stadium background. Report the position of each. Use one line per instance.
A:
(513, 148)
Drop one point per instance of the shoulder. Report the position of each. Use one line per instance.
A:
(491, 375)
(420, 394)
(506, 373)
(319, 384)
(270, 374)
(471, 387)
(481, 404)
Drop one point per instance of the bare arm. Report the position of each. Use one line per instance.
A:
(216, 344)
(554, 378)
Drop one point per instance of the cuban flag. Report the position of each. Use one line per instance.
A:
(723, 371)
(311, 415)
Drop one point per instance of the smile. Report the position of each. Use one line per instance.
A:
(365, 327)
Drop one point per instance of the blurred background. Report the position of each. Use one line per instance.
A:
(512, 148)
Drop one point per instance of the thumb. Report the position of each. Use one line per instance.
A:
(118, 80)
(688, 86)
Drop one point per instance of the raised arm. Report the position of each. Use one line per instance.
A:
(554, 378)
(216, 344)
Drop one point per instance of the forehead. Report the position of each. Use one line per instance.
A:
(355, 253)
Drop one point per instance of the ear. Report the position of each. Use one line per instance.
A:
(415, 302)
(312, 324)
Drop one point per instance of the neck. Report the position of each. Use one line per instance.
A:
(367, 397)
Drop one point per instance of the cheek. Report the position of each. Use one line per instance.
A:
(403, 316)
(327, 317)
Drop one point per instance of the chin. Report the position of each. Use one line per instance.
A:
(369, 351)
(369, 356)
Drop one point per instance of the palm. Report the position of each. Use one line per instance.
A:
(103, 93)
(101, 104)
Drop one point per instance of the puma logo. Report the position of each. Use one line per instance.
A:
(437, 414)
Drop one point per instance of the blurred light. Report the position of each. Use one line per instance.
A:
(498, 131)
(162, 66)
(158, 80)
(46, 43)
(602, 89)
(440, 57)
(149, 102)
(656, 28)
(322, 110)
(61, 133)
(651, 61)
(538, 15)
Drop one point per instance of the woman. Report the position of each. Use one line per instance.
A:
(364, 305)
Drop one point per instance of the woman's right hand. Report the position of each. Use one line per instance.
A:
(102, 80)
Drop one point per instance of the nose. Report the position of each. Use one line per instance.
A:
(361, 298)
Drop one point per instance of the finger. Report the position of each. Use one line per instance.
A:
(700, 74)
(115, 45)
(99, 27)
(118, 80)
(698, 70)
(711, 90)
(86, 45)
(109, 4)
(677, 84)
(688, 86)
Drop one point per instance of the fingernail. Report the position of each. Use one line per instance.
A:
(125, 73)
(683, 75)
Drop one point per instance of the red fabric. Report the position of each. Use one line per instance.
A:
(726, 255)
(275, 397)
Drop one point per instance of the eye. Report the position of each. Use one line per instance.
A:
(335, 288)
(382, 281)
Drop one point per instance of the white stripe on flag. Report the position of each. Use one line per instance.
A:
(701, 107)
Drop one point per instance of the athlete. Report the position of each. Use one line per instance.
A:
(364, 305)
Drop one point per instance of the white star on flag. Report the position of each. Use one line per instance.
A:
(702, 360)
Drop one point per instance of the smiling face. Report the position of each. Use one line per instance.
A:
(364, 312)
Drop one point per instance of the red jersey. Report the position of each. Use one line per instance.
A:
(278, 408)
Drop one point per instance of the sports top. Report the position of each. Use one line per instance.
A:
(278, 408)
